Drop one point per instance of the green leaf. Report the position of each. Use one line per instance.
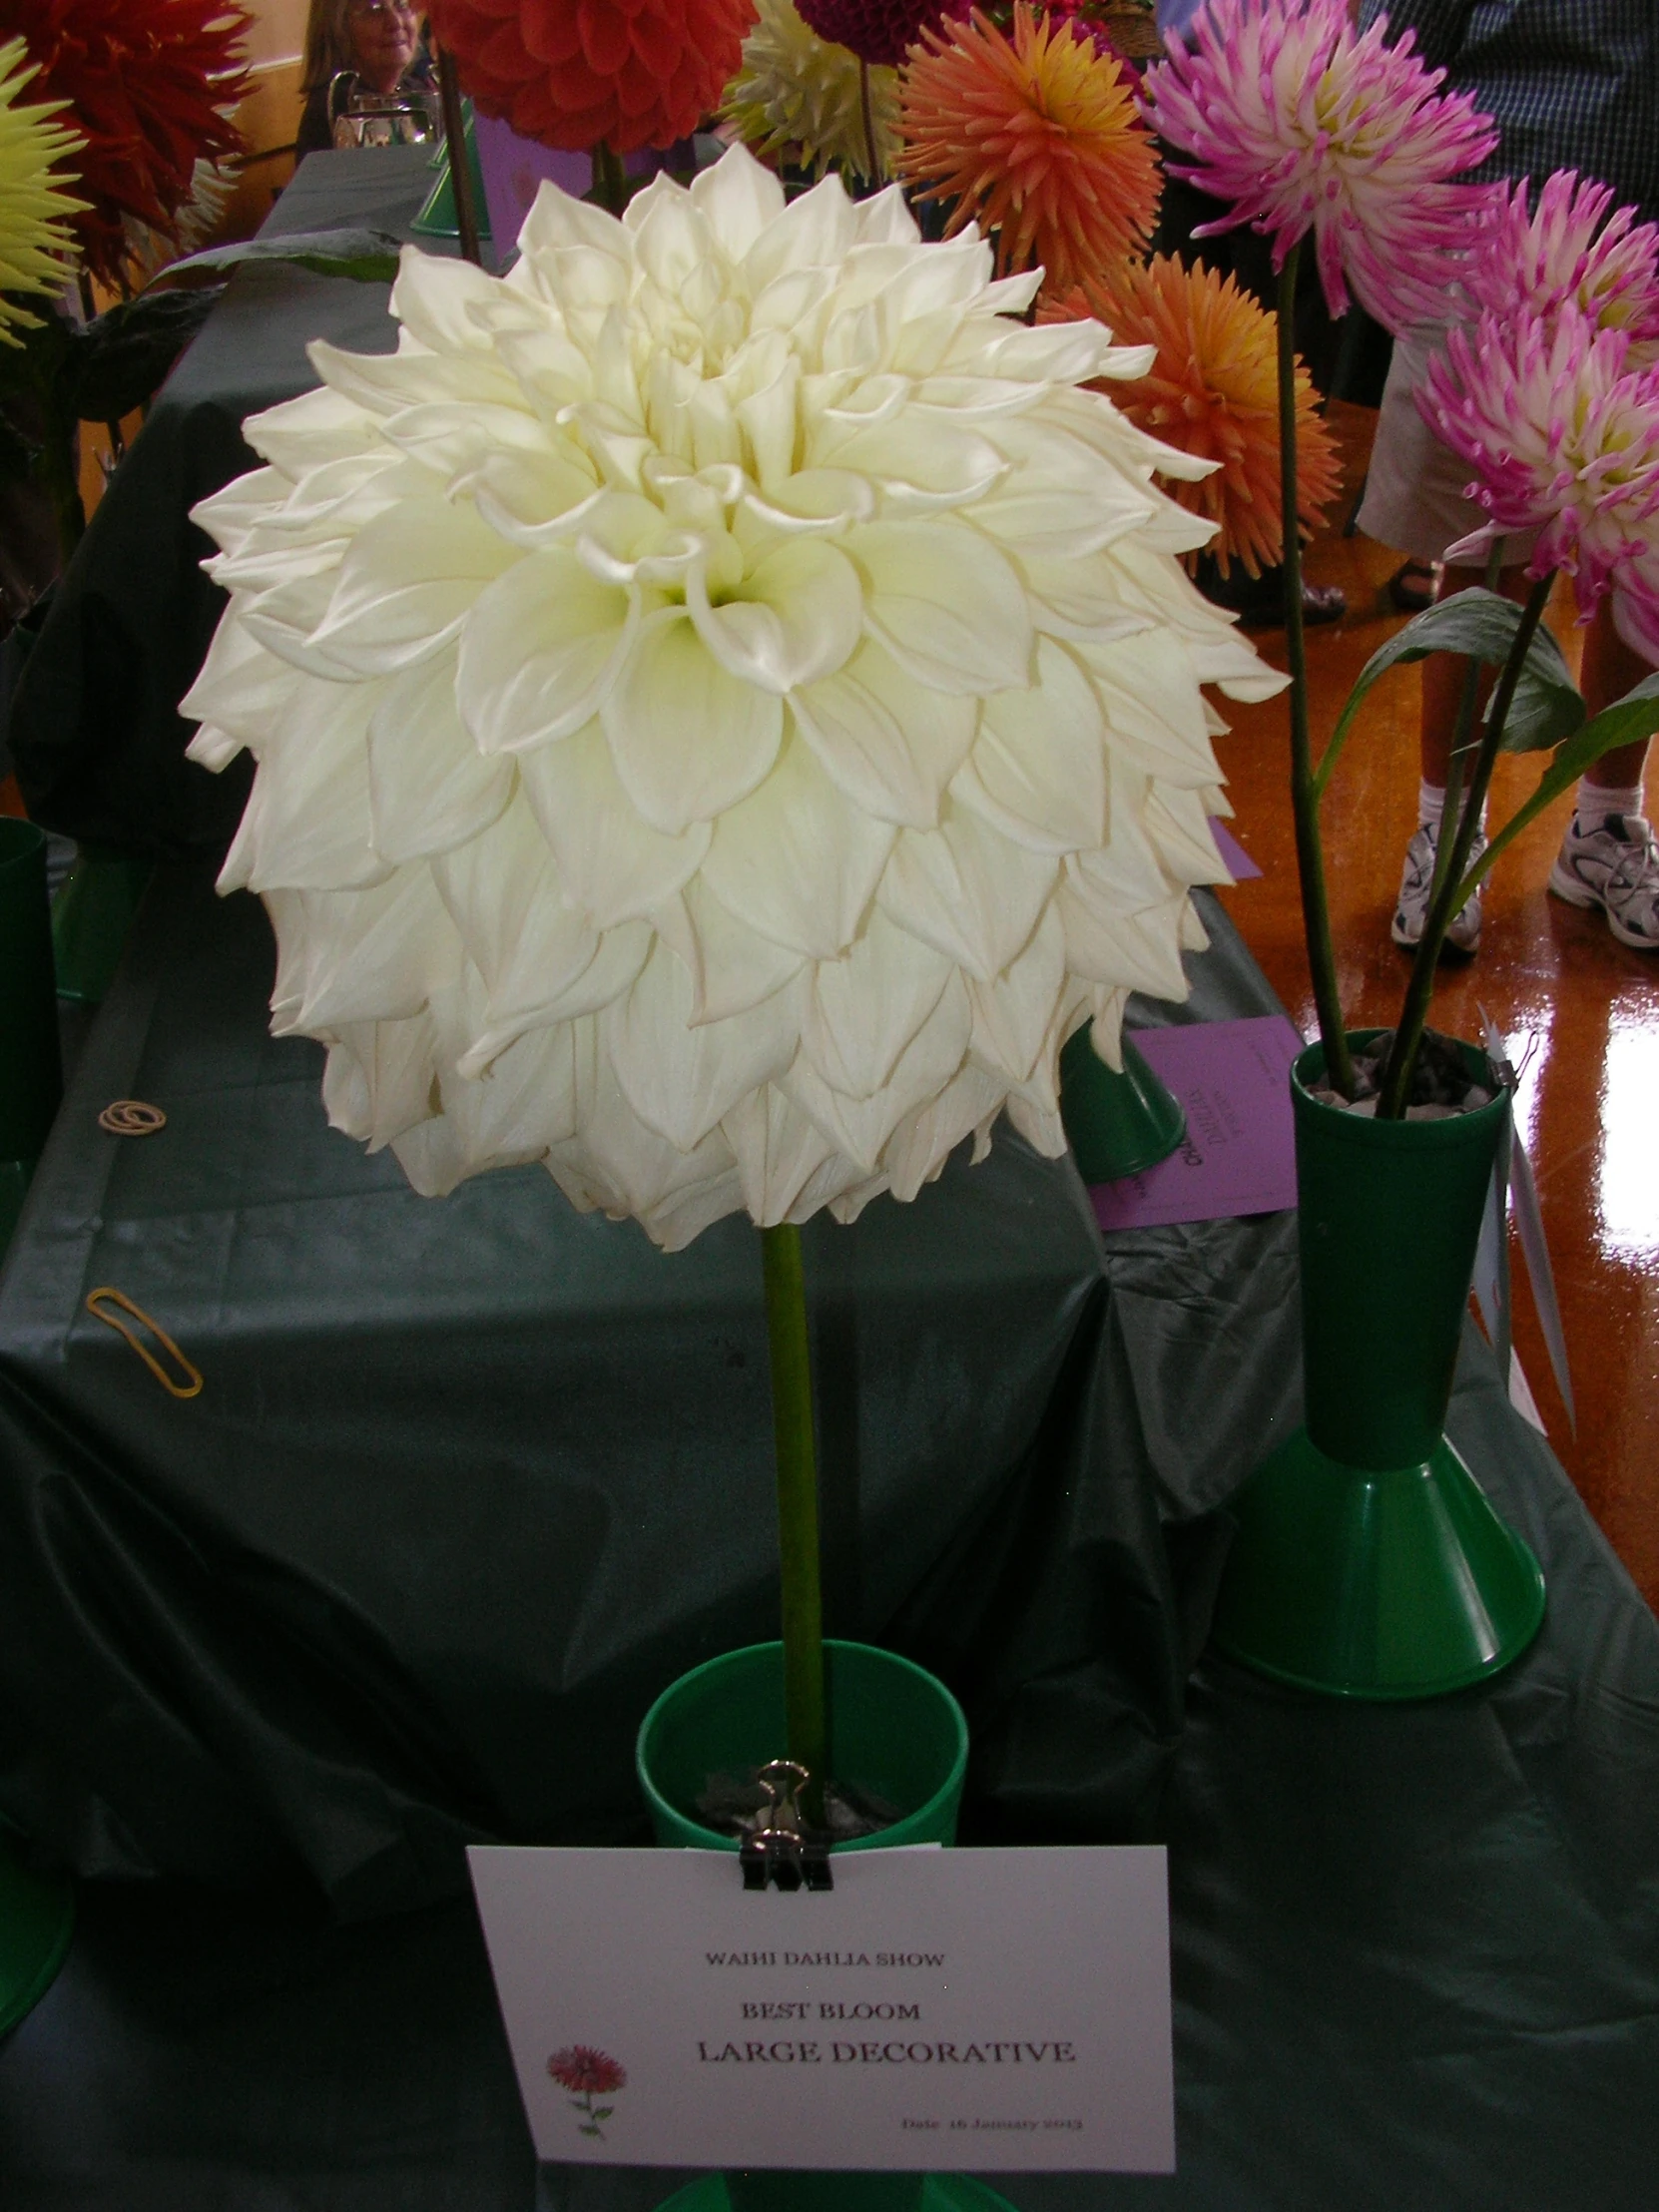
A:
(368, 257)
(1478, 624)
(1626, 722)
(118, 361)
(604, 2111)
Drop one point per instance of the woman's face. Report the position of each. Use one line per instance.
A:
(383, 38)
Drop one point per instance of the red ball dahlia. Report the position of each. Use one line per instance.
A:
(571, 73)
(149, 85)
(878, 31)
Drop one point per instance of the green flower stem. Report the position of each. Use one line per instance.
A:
(867, 105)
(1414, 1013)
(609, 178)
(797, 1542)
(1315, 910)
(461, 168)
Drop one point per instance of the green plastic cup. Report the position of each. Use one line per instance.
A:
(894, 1732)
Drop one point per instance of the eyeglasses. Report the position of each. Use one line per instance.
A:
(361, 8)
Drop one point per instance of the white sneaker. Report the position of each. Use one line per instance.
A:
(1415, 886)
(1615, 868)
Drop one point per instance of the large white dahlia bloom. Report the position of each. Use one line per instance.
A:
(725, 703)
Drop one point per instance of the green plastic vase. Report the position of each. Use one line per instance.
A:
(37, 1919)
(1116, 1124)
(91, 918)
(1367, 1561)
(899, 1734)
(31, 1068)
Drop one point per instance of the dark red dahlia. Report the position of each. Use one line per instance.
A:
(585, 2072)
(148, 84)
(572, 72)
(881, 31)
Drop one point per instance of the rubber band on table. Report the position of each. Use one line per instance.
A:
(192, 1387)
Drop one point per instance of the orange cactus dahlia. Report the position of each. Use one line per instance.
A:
(573, 73)
(148, 85)
(1213, 391)
(1039, 137)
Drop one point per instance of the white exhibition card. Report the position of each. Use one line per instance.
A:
(946, 2010)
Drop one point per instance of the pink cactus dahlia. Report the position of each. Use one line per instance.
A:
(1563, 437)
(1305, 123)
(1566, 255)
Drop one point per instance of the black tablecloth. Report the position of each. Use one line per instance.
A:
(96, 739)
(469, 1480)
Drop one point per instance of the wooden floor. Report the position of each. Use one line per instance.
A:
(1581, 1013)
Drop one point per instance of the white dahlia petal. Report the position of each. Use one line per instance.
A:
(946, 605)
(968, 889)
(428, 789)
(682, 1079)
(407, 585)
(360, 957)
(732, 967)
(779, 1152)
(860, 1127)
(307, 825)
(724, 704)
(795, 861)
(380, 1077)
(1013, 1011)
(613, 867)
(689, 737)
(891, 744)
(863, 1010)
(1038, 771)
(541, 648)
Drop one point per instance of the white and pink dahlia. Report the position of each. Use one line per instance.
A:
(1306, 125)
(1563, 437)
(727, 706)
(1569, 252)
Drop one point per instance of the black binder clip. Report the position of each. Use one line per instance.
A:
(782, 1849)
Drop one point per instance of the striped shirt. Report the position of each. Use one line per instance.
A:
(1571, 84)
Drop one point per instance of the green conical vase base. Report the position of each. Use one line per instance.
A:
(1116, 1124)
(839, 2192)
(37, 1919)
(1366, 1582)
(437, 218)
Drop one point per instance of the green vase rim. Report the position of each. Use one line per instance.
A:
(950, 1786)
(20, 841)
(1365, 1129)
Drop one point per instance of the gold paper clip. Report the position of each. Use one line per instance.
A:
(192, 1389)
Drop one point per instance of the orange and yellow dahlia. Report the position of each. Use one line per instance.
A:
(1213, 391)
(1037, 136)
(575, 73)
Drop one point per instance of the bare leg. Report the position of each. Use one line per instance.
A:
(1443, 674)
(1610, 669)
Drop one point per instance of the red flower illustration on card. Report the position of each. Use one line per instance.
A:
(587, 2073)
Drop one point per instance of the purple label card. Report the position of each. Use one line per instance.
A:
(1238, 860)
(514, 170)
(1238, 1154)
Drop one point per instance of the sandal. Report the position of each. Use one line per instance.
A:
(1412, 588)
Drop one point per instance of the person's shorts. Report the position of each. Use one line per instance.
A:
(1414, 498)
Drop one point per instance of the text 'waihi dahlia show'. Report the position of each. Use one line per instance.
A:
(725, 705)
